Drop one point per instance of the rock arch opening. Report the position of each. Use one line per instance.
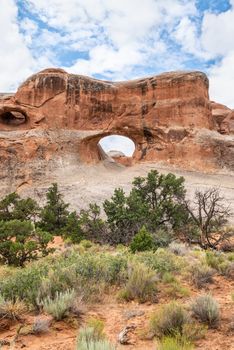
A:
(117, 148)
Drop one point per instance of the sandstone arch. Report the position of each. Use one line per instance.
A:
(90, 150)
(169, 117)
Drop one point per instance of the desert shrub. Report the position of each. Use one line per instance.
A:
(95, 345)
(173, 286)
(67, 270)
(98, 327)
(88, 334)
(40, 325)
(168, 277)
(176, 290)
(161, 261)
(58, 279)
(24, 283)
(141, 284)
(88, 340)
(214, 259)
(60, 305)
(162, 237)
(194, 331)
(169, 320)
(230, 257)
(206, 309)
(227, 269)
(174, 343)
(86, 243)
(220, 263)
(101, 267)
(21, 242)
(178, 248)
(169, 343)
(12, 309)
(142, 241)
(201, 275)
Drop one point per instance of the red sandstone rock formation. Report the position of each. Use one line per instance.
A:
(223, 117)
(58, 118)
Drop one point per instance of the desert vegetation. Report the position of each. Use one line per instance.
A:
(152, 248)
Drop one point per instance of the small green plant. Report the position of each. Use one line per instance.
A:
(201, 275)
(175, 343)
(98, 327)
(168, 278)
(206, 309)
(176, 290)
(88, 339)
(141, 284)
(142, 241)
(95, 345)
(60, 305)
(85, 243)
(173, 286)
(169, 320)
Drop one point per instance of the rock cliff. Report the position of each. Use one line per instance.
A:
(55, 120)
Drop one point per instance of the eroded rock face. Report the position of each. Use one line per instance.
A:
(223, 118)
(56, 119)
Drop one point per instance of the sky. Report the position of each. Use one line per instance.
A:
(118, 39)
(118, 143)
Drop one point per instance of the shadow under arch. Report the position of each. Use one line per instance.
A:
(12, 117)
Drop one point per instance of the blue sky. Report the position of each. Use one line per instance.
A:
(118, 39)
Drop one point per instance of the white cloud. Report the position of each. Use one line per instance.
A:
(217, 33)
(106, 59)
(221, 81)
(118, 35)
(15, 58)
(121, 39)
(186, 34)
(17, 61)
